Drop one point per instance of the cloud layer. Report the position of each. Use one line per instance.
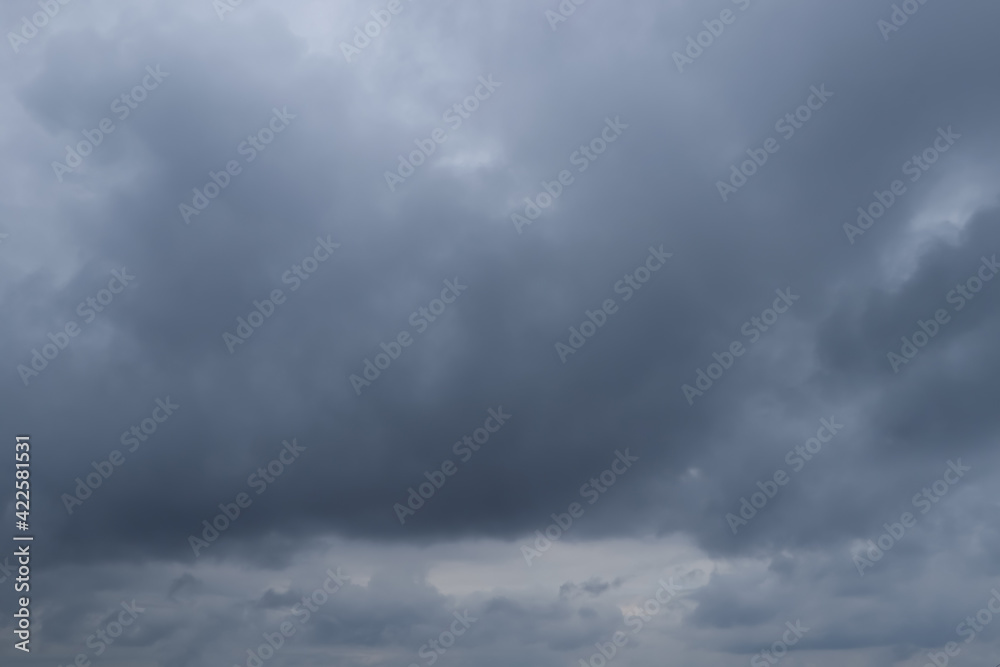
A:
(506, 316)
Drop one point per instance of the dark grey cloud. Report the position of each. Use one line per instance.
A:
(321, 181)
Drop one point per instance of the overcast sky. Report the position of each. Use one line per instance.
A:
(402, 333)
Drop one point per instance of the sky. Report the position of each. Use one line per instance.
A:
(397, 333)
